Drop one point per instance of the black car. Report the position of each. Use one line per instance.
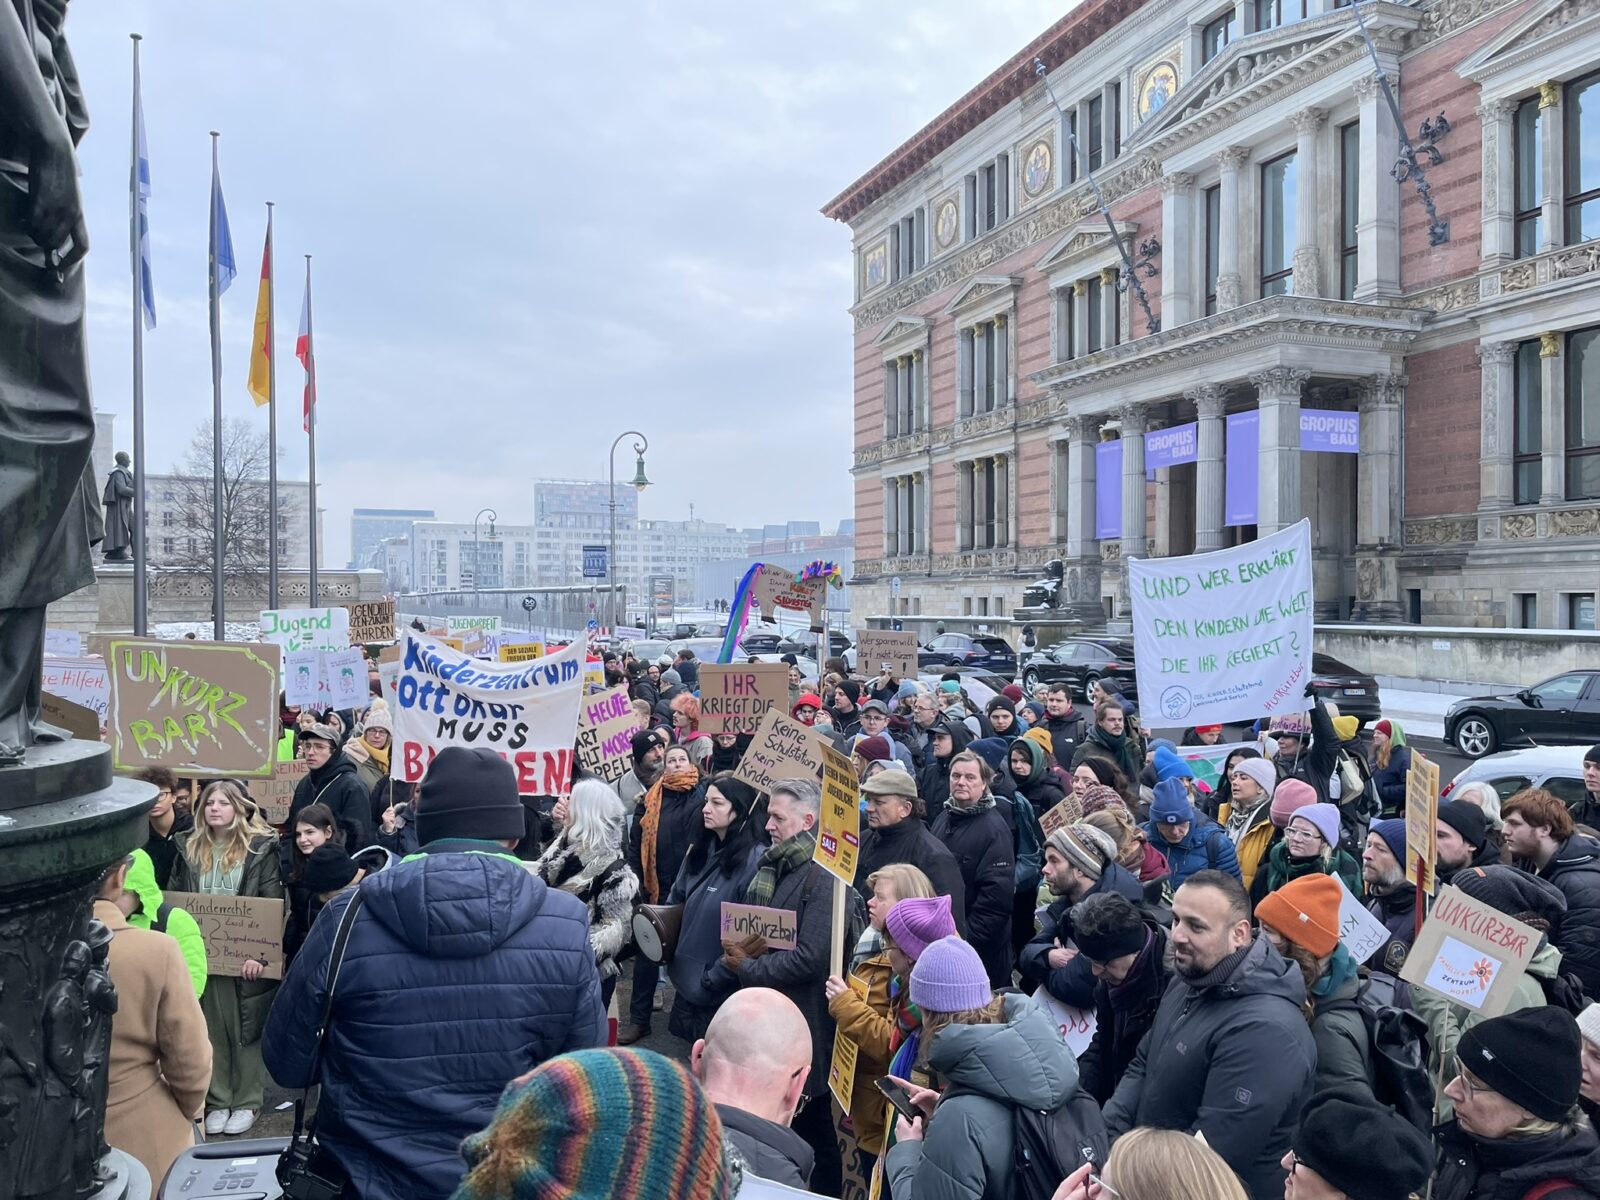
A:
(1354, 692)
(803, 643)
(978, 650)
(756, 642)
(1564, 709)
(1079, 662)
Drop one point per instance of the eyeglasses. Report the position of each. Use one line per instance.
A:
(1302, 835)
(1105, 1188)
(1469, 1089)
(1294, 1162)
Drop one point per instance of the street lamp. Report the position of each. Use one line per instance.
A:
(639, 485)
(477, 559)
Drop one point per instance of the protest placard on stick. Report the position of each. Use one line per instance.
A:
(734, 698)
(606, 725)
(779, 926)
(77, 720)
(839, 829)
(1470, 953)
(306, 628)
(236, 929)
(781, 749)
(276, 794)
(371, 622)
(1422, 822)
(886, 650)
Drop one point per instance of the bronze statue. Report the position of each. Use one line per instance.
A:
(48, 1163)
(118, 502)
(47, 508)
(100, 1005)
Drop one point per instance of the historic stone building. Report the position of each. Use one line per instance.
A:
(1294, 290)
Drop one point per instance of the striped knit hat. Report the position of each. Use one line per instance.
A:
(601, 1125)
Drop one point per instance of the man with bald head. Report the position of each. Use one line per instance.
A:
(753, 1063)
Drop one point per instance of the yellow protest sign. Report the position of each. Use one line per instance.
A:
(842, 1070)
(515, 652)
(839, 832)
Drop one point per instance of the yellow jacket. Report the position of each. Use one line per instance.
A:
(868, 1024)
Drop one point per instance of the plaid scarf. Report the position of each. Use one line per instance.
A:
(791, 854)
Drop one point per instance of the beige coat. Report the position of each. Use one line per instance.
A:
(160, 1054)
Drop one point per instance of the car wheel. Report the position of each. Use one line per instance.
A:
(1475, 736)
(1089, 681)
(1030, 680)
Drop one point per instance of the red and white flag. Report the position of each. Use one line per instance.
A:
(303, 351)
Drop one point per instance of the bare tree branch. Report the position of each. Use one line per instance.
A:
(245, 509)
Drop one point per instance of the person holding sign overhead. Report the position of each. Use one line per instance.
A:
(232, 852)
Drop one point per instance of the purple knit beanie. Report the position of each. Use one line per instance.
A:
(1326, 819)
(950, 978)
(915, 923)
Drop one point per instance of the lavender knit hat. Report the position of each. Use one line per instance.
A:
(915, 923)
(949, 978)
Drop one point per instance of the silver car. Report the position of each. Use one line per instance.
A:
(1557, 769)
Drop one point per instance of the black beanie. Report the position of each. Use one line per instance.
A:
(328, 868)
(1531, 1057)
(470, 794)
(1593, 756)
(850, 688)
(643, 742)
(1467, 820)
(1512, 891)
(1360, 1147)
(1001, 702)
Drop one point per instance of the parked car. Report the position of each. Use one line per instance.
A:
(757, 641)
(1563, 710)
(1556, 768)
(1355, 692)
(646, 651)
(978, 650)
(803, 641)
(1079, 662)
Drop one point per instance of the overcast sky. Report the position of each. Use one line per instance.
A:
(534, 227)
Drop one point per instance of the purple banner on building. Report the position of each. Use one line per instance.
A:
(1242, 465)
(1108, 490)
(1330, 430)
(1170, 447)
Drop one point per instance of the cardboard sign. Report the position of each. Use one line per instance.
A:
(781, 749)
(276, 794)
(779, 926)
(371, 622)
(1077, 1025)
(81, 680)
(197, 707)
(77, 720)
(515, 652)
(606, 725)
(880, 650)
(236, 929)
(306, 628)
(1422, 822)
(1065, 813)
(775, 590)
(525, 712)
(1361, 932)
(839, 831)
(1470, 953)
(733, 699)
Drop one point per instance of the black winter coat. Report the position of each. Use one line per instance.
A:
(981, 842)
(337, 785)
(1042, 791)
(1123, 1015)
(702, 894)
(661, 709)
(1074, 983)
(770, 1151)
(1398, 912)
(1233, 1060)
(1470, 1169)
(1575, 869)
(1065, 734)
(1391, 780)
(934, 784)
(912, 842)
(682, 818)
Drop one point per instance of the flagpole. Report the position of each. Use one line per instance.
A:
(311, 427)
(141, 614)
(272, 422)
(218, 622)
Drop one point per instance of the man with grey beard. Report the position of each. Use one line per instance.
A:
(1389, 897)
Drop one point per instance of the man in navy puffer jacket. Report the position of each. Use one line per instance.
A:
(463, 971)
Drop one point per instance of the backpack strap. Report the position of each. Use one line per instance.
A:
(1547, 1187)
(162, 913)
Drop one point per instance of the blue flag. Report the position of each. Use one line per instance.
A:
(139, 198)
(222, 267)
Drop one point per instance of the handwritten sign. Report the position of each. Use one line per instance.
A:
(197, 707)
(1224, 636)
(839, 831)
(779, 926)
(1470, 953)
(883, 651)
(1361, 932)
(275, 795)
(66, 643)
(1422, 822)
(515, 652)
(775, 590)
(1063, 814)
(733, 699)
(606, 725)
(371, 622)
(236, 929)
(306, 628)
(81, 680)
(1077, 1025)
(460, 626)
(781, 749)
(77, 720)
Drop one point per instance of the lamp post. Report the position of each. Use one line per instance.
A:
(477, 560)
(639, 485)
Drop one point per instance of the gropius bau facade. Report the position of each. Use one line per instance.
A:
(1244, 152)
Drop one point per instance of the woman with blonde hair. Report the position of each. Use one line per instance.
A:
(232, 852)
(1155, 1164)
(1135, 854)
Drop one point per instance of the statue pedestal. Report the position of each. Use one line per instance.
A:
(63, 821)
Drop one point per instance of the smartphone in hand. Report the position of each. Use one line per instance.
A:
(900, 1098)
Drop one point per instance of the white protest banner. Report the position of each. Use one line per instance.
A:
(1077, 1025)
(1470, 953)
(64, 643)
(346, 674)
(80, 680)
(302, 678)
(1224, 636)
(306, 628)
(1361, 932)
(525, 712)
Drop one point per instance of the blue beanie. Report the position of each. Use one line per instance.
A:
(1393, 833)
(1171, 805)
(992, 750)
(1170, 766)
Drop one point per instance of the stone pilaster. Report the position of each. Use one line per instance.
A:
(1497, 404)
(1230, 283)
(1178, 236)
(1278, 398)
(1553, 408)
(1308, 276)
(1552, 161)
(1499, 182)
(1082, 567)
(1378, 547)
(1135, 528)
(1378, 226)
(1209, 402)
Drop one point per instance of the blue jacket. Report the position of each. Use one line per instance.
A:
(462, 972)
(1206, 845)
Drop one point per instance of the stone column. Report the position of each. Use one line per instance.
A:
(982, 398)
(1178, 237)
(964, 375)
(1497, 410)
(1552, 162)
(919, 537)
(1377, 549)
(1080, 316)
(1209, 402)
(1134, 529)
(1082, 575)
(1553, 429)
(982, 527)
(964, 522)
(1308, 124)
(891, 519)
(1230, 284)
(1002, 502)
(1499, 181)
(1378, 230)
(1110, 303)
(907, 516)
(1002, 362)
(919, 392)
(1278, 392)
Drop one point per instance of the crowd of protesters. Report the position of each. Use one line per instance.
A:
(1238, 1049)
